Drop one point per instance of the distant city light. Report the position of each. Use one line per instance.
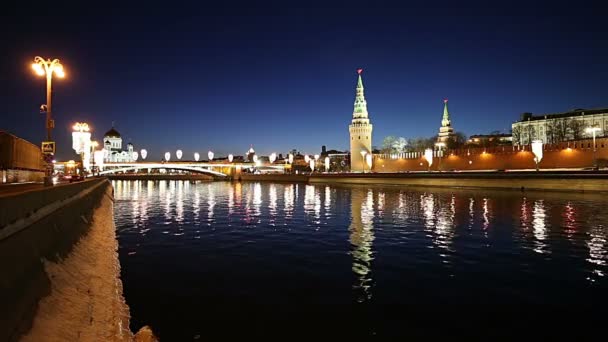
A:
(197, 156)
(290, 158)
(135, 155)
(167, 156)
(143, 154)
(326, 164)
(312, 165)
(255, 158)
(306, 158)
(230, 158)
(178, 154)
(316, 157)
(273, 157)
(210, 155)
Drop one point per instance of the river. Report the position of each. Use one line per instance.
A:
(219, 259)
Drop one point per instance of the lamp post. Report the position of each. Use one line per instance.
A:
(81, 143)
(47, 67)
(94, 145)
(363, 153)
(440, 145)
(537, 150)
(593, 129)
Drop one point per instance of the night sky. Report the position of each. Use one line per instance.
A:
(204, 78)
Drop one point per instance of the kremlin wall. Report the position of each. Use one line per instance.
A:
(577, 154)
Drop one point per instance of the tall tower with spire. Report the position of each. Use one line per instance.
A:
(360, 131)
(446, 132)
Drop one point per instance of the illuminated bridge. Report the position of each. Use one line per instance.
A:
(216, 169)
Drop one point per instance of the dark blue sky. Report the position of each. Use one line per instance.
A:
(198, 78)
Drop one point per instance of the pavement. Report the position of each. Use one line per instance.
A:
(11, 189)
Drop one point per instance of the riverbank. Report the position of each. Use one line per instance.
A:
(85, 302)
(582, 181)
(157, 177)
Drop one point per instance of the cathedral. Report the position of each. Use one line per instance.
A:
(112, 147)
(360, 131)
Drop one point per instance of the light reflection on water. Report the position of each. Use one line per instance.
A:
(350, 245)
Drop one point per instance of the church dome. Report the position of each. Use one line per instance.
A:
(112, 133)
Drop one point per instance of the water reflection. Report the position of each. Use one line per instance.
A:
(539, 227)
(288, 199)
(361, 238)
(210, 202)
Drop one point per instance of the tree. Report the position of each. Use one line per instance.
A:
(388, 143)
(400, 145)
(459, 140)
(517, 136)
(420, 144)
(576, 129)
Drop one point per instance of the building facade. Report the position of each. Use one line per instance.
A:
(112, 146)
(446, 132)
(553, 128)
(360, 131)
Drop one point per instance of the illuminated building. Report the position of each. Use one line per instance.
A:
(446, 132)
(360, 131)
(113, 152)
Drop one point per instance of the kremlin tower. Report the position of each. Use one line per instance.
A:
(360, 131)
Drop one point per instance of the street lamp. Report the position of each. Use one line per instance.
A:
(537, 150)
(81, 143)
(167, 156)
(210, 155)
(179, 154)
(230, 158)
(47, 67)
(363, 153)
(196, 156)
(428, 155)
(272, 157)
(94, 144)
(593, 129)
(440, 145)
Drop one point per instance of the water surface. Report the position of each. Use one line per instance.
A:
(223, 259)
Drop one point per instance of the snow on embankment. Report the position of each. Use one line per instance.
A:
(86, 301)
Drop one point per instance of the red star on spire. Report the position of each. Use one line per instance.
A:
(445, 100)
(359, 71)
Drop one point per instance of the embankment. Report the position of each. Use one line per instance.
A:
(155, 177)
(582, 181)
(288, 178)
(543, 181)
(41, 244)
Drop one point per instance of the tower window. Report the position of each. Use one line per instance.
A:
(359, 137)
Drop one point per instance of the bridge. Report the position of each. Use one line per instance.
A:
(215, 169)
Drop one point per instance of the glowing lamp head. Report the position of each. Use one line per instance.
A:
(197, 156)
(167, 156)
(255, 158)
(272, 157)
(143, 153)
(179, 154)
(316, 157)
(326, 164)
(38, 69)
(210, 155)
(230, 158)
(290, 158)
(58, 70)
(306, 158)
(135, 156)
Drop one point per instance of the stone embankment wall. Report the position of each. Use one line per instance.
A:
(39, 228)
